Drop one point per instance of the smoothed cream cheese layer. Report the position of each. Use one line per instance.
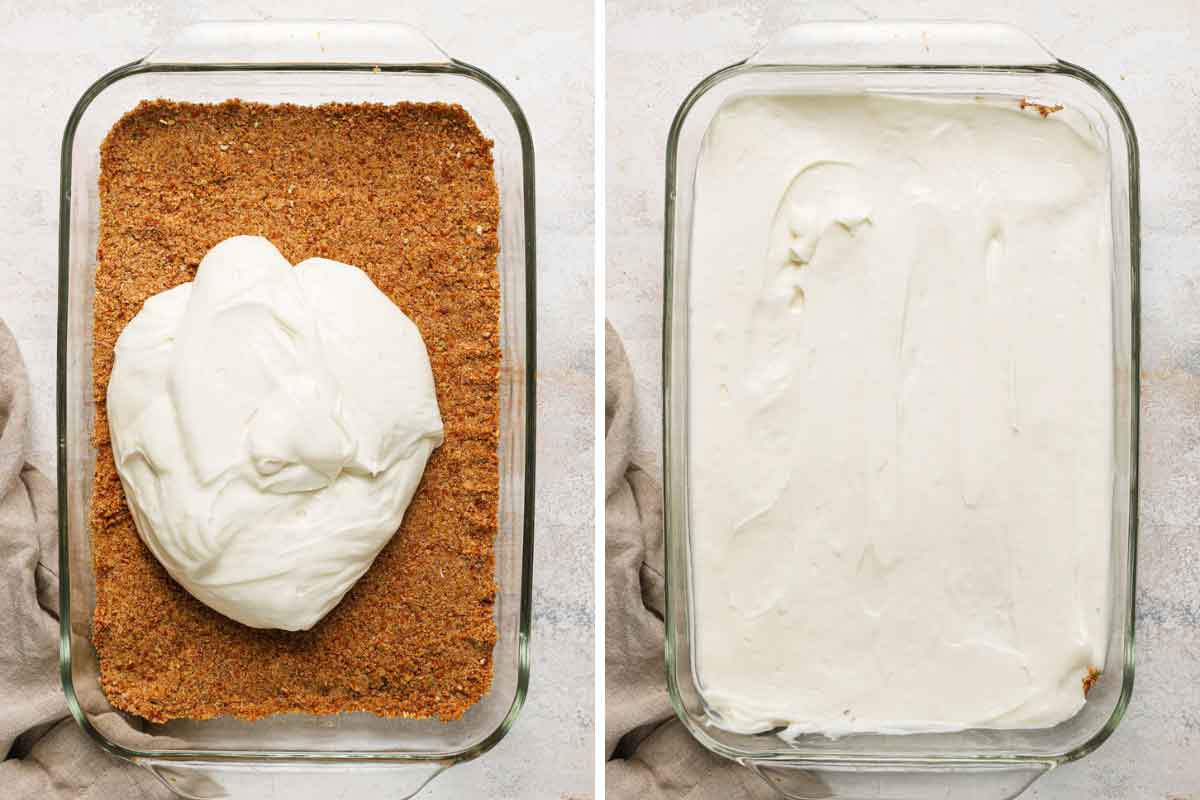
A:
(900, 414)
(270, 425)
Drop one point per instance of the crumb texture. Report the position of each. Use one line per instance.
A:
(407, 193)
(1041, 108)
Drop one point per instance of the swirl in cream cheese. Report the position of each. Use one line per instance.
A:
(270, 425)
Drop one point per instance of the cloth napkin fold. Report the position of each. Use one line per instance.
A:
(45, 754)
(650, 754)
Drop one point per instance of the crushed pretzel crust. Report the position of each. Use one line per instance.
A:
(407, 193)
(1044, 110)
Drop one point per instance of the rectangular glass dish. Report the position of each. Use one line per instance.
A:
(913, 60)
(306, 64)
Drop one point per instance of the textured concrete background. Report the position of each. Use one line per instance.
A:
(542, 51)
(1149, 52)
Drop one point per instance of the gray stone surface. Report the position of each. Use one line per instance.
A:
(1149, 52)
(542, 51)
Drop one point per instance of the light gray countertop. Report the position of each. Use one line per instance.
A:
(1149, 52)
(542, 51)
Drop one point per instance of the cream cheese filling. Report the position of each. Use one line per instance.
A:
(270, 425)
(901, 415)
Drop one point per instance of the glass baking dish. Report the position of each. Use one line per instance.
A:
(303, 63)
(912, 59)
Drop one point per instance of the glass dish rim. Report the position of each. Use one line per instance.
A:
(671, 523)
(450, 67)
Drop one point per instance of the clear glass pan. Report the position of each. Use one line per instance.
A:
(304, 63)
(921, 59)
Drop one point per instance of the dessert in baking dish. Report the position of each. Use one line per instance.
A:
(901, 414)
(405, 193)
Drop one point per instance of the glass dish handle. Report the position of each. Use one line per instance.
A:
(316, 42)
(854, 781)
(903, 44)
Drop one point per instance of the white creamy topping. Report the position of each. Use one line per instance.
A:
(270, 425)
(901, 415)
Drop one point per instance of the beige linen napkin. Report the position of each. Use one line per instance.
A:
(650, 754)
(45, 754)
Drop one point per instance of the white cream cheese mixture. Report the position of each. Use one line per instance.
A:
(901, 412)
(270, 425)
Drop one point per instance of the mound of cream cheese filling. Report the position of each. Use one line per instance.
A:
(901, 410)
(270, 425)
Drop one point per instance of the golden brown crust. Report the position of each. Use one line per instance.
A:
(1090, 679)
(407, 193)
(1044, 110)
